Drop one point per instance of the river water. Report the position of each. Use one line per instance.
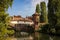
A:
(37, 36)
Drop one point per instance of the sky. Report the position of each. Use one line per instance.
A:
(24, 7)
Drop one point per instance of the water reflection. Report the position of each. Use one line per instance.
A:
(40, 36)
(30, 37)
(37, 36)
(56, 37)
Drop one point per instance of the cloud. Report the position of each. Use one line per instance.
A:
(34, 2)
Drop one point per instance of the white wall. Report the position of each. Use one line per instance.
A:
(21, 22)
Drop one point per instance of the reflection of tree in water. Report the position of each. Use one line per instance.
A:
(56, 38)
(36, 36)
(40, 36)
(44, 36)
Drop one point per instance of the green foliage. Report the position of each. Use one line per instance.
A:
(45, 28)
(4, 4)
(57, 9)
(43, 17)
(3, 31)
(4, 24)
(4, 18)
(37, 8)
(8, 38)
(54, 12)
(51, 12)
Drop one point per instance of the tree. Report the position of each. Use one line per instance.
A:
(37, 8)
(57, 11)
(4, 18)
(43, 17)
(5, 4)
(52, 12)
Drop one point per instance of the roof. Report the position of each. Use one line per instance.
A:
(19, 18)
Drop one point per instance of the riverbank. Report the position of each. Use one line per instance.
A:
(50, 33)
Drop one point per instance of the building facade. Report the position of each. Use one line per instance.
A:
(20, 23)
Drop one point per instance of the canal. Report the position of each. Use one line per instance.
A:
(36, 36)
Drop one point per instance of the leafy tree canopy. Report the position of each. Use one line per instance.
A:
(4, 18)
(37, 8)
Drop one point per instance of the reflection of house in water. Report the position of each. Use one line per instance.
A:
(20, 23)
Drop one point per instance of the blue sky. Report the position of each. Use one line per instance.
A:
(23, 7)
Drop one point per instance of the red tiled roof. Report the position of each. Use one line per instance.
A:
(19, 18)
(26, 19)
